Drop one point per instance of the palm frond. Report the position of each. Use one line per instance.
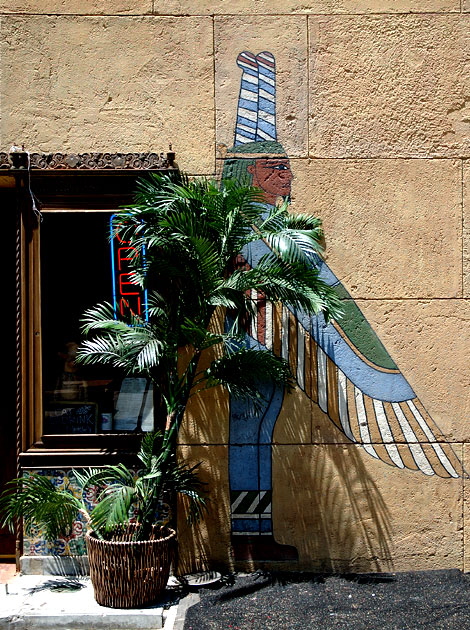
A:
(36, 500)
(113, 509)
(245, 372)
(100, 477)
(293, 284)
(185, 481)
(199, 336)
(293, 245)
(101, 317)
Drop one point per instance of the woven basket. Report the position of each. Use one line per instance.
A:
(127, 573)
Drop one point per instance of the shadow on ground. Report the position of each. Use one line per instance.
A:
(387, 601)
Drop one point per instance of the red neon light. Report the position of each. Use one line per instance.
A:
(122, 282)
(117, 237)
(121, 257)
(128, 294)
(125, 304)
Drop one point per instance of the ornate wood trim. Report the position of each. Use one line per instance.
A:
(21, 159)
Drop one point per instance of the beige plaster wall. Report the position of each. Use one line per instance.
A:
(109, 84)
(373, 103)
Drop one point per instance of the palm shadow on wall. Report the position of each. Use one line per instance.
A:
(325, 501)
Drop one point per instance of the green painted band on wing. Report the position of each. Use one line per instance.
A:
(361, 335)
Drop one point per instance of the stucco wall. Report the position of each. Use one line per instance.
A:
(373, 110)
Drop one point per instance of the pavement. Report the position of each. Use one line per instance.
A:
(68, 603)
(437, 600)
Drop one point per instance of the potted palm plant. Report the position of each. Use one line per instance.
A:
(192, 242)
(130, 547)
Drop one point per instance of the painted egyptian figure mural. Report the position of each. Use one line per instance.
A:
(341, 366)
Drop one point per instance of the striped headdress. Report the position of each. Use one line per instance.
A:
(256, 113)
(255, 129)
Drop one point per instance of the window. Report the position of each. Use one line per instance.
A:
(73, 415)
(75, 275)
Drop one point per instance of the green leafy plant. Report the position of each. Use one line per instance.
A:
(121, 495)
(191, 243)
(188, 239)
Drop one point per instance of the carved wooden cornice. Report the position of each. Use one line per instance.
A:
(87, 161)
(99, 181)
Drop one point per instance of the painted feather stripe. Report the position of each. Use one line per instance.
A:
(245, 133)
(386, 433)
(245, 115)
(322, 380)
(363, 424)
(343, 405)
(248, 56)
(285, 333)
(266, 91)
(247, 130)
(420, 420)
(248, 95)
(249, 70)
(266, 129)
(240, 139)
(246, 122)
(266, 121)
(266, 106)
(243, 139)
(262, 135)
(266, 117)
(269, 325)
(248, 67)
(243, 104)
(300, 356)
(382, 422)
(249, 81)
(265, 68)
(429, 434)
(416, 450)
(266, 125)
(264, 79)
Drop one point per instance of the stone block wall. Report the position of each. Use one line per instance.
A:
(373, 111)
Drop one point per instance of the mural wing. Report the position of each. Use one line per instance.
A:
(347, 371)
(343, 367)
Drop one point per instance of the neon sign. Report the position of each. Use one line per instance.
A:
(127, 295)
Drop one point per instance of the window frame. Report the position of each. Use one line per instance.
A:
(75, 188)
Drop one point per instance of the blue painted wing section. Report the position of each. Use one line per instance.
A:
(374, 382)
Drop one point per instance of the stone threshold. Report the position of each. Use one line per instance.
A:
(55, 565)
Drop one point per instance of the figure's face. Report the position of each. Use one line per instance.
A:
(273, 175)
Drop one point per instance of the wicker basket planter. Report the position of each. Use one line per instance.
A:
(127, 573)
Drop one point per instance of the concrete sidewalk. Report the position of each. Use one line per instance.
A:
(68, 603)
